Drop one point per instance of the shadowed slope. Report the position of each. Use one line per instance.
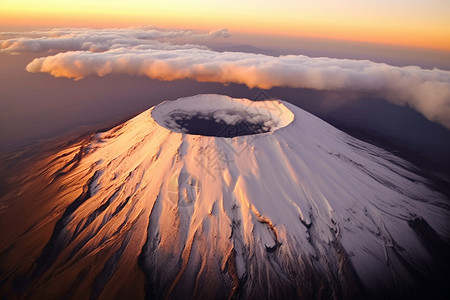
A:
(265, 215)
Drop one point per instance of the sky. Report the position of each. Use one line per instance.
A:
(416, 23)
(391, 53)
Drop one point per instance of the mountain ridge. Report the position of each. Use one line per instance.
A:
(274, 214)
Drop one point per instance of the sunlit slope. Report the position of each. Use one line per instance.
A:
(302, 210)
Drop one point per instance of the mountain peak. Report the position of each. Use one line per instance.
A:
(217, 197)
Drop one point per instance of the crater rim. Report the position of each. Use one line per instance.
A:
(221, 116)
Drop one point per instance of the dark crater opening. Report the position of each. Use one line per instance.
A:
(229, 126)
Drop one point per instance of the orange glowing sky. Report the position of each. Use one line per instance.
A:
(416, 23)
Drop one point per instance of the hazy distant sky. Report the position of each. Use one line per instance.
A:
(417, 23)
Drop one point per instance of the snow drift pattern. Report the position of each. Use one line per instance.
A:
(302, 212)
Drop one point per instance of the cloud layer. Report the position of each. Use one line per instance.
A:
(98, 40)
(153, 53)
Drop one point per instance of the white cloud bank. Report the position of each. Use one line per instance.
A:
(150, 52)
(98, 40)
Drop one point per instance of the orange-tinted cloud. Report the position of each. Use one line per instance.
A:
(427, 91)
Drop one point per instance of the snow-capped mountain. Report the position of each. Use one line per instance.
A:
(215, 197)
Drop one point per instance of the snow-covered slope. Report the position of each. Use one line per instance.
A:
(297, 210)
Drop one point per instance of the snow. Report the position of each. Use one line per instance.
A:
(272, 114)
(272, 206)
